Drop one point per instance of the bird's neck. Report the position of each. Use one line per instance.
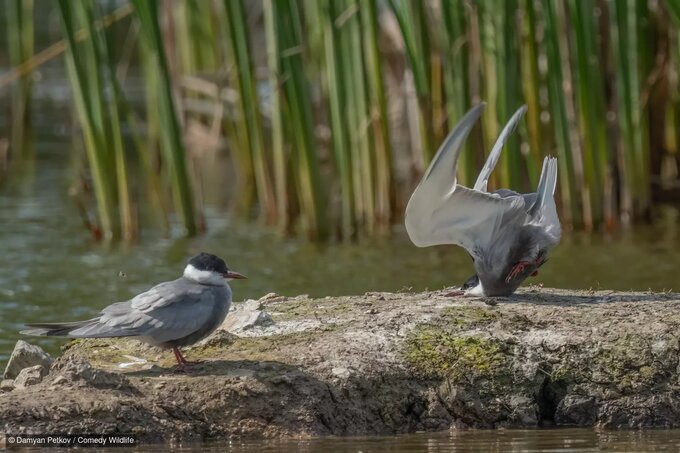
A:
(203, 277)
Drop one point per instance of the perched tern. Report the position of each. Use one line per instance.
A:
(169, 315)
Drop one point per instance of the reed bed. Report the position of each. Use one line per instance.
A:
(333, 108)
(585, 68)
(101, 110)
(20, 38)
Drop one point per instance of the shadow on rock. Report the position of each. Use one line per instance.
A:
(545, 298)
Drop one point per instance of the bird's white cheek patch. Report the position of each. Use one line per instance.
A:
(476, 291)
(206, 277)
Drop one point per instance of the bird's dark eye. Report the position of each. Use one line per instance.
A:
(470, 282)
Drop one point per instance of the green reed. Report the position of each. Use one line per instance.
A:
(20, 39)
(249, 127)
(86, 64)
(308, 120)
(170, 134)
(293, 92)
(102, 110)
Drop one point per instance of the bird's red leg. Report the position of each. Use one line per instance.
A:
(181, 361)
(454, 294)
(517, 269)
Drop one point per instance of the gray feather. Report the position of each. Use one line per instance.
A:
(172, 313)
(507, 234)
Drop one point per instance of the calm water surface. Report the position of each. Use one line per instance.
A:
(477, 441)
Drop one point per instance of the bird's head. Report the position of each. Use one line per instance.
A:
(209, 269)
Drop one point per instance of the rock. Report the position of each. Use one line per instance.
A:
(576, 410)
(250, 305)
(218, 338)
(59, 380)
(272, 297)
(30, 376)
(341, 372)
(246, 316)
(524, 411)
(423, 363)
(26, 355)
(6, 385)
(78, 370)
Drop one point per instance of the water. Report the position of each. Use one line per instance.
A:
(486, 441)
(473, 441)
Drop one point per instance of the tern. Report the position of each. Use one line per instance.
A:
(169, 315)
(507, 234)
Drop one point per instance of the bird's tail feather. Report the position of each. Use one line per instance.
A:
(90, 328)
(546, 185)
(56, 329)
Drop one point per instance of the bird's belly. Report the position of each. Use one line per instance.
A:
(215, 321)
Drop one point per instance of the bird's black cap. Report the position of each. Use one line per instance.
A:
(470, 282)
(209, 262)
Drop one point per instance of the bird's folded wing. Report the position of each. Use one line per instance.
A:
(163, 294)
(159, 313)
(464, 217)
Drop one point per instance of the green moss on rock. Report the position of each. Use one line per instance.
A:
(468, 316)
(436, 352)
(628, 363)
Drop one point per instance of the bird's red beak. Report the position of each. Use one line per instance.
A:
(234, 275)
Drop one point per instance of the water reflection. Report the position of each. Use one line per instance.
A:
(473, 441)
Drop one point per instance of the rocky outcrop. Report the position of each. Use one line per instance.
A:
(381, 363)
(26, 355)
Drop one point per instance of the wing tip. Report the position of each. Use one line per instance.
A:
(551, 176)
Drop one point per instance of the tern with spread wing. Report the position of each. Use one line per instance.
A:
(507, 234)
(170, 315)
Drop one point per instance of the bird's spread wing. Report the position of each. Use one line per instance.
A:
(543, 211)
(465, 217)
(443, 212)
(441, 173)
(495, 154)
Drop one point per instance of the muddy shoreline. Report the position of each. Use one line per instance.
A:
(380, 363)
